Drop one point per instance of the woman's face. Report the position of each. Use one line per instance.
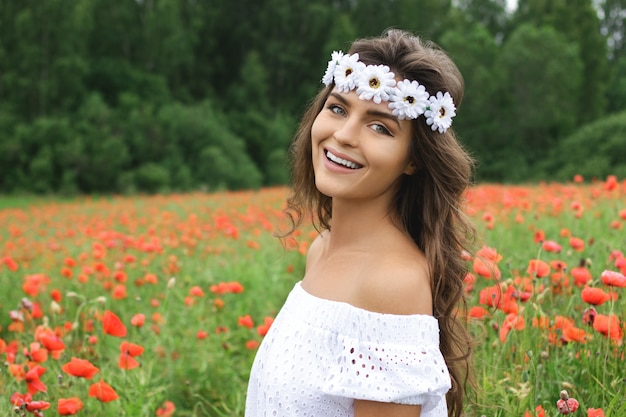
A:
(359, 148)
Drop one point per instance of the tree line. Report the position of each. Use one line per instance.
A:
(156, 95)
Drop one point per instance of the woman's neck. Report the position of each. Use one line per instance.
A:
(357, 224)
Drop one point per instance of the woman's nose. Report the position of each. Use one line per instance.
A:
(348, 132)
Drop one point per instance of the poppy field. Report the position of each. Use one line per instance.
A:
(155, 305)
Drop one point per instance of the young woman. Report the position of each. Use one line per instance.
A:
(372, 328)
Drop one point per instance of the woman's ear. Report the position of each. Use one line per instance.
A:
(411, 168)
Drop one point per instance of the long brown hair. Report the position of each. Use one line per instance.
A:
(429, 202)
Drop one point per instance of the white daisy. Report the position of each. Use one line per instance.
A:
(440, 112)
(330, 70)
(409, 100)
(346, 72)
(375, 82)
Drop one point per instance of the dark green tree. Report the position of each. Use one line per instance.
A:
(578, 22)
(492, 14)
(44, 64)
(612, 15)
(479, 120)
(543, 75)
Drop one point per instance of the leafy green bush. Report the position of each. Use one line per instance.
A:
(594, 151)
(152, 178)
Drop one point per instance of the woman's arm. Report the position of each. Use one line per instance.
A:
(363, 408)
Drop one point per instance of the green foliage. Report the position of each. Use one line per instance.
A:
(617, 89)
(152, 178)
(594, 151)
(542, 105)
(479, 119)
(91, 94)
(488, 13)
(577, 21)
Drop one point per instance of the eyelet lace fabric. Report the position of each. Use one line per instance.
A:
(321, 355)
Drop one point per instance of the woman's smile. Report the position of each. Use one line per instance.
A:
(341, 160)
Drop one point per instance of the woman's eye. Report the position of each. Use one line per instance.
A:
(337, 109)
(381, 129)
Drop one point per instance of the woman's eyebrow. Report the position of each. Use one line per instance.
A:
(340, 98)
(385, 115)
(371, 112)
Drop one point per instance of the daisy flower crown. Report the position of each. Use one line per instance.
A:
(408, 99)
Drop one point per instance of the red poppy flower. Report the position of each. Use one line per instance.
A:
(246, 321)
(166, 410)
(37, 406)
(17, 370)
(113, 325)
(589, 315)
(565, 404)
(265, 327)
(538, 268)
(609, 326)
(614, 279)
(33, 383)
(490, 296)
(611, 183)
(577, 243)
(10, 263)
(486, 268)
(81, 368)
(551, 246)
(539, 236)
(595, 412)
(127, 362)
(541, 322)
(103, 392)
(36, 353)
(581, 275)
(119, 292)
(573, 334)
(56, 295)
(49, 339)
(540, 411)
(196, 291)
(227, 287)
(596, 296)
(131, 349)
(489, 253)
(69, 406)
(511, 321)
(252, 344)
(138, 320)
(477, 312)
(469, 280)
(18, 399)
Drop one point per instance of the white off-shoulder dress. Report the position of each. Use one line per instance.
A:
(321, 355)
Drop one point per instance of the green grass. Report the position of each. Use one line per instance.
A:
(199, 240)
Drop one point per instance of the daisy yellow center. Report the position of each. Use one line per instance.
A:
(374, 82)
(348, 71)
(410, 99)
(442, 112)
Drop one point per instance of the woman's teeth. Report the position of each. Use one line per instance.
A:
(340, 161)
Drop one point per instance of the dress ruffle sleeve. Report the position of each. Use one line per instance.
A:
(379, 357)
(325, 354)
(384, 372)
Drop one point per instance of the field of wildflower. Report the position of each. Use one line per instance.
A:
(155, 305)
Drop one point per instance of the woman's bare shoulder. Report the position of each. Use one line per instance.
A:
(397, 283)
